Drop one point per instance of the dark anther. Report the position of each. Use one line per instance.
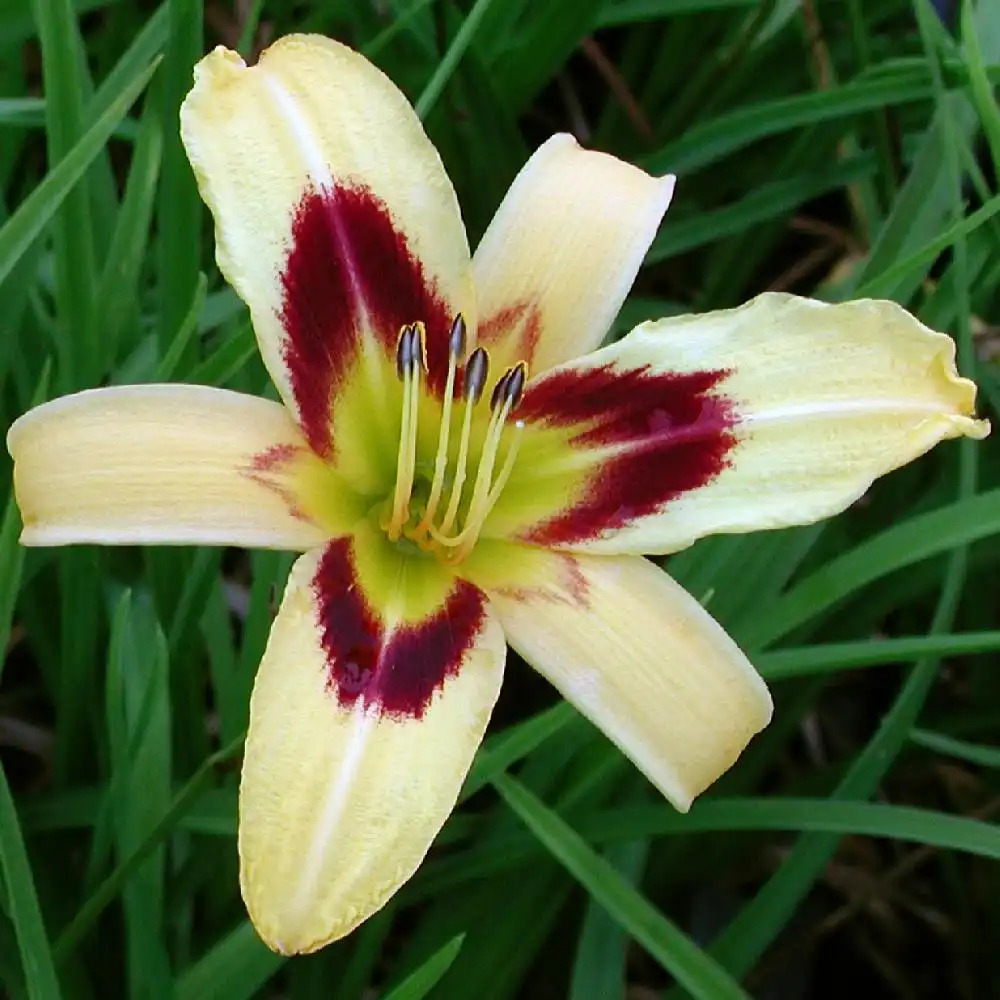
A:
(476, 370)
(499, 393)
(406, 349)
(509, 387)
(420, 345)
(515, 384)
(456, 339)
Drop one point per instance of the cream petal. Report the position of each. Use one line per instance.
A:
(562, 252)
(637, 655)
(372, 697)
(176, 464)
(335, 220)
(780, 412)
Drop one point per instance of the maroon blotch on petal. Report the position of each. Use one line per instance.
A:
(675, 432)
(398, 671)
(418, 658)
(522, 319)
(349, 268)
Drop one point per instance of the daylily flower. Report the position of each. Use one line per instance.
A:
(463, 466)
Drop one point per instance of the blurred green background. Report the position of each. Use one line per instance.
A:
(828, 147)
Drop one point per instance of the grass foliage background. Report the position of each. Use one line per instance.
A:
(829, 147)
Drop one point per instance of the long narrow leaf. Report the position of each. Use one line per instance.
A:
(663, 940)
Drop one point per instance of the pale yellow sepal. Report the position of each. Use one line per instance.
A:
(154, 464)
(310, 115)
(338, 806)
(637, 655)
(562, 252)
(827, 398)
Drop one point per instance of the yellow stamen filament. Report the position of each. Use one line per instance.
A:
(410, 366)
(460, 469)
(474, 523)
(456, 347)
(486, 489)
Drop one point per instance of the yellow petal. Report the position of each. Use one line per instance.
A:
(363, 723)
(562, 252)
(634, 653)
(180, 464)
(780, 412)
(335, 221)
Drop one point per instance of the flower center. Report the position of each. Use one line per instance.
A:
(451, 517)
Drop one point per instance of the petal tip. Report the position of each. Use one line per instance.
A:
(289, 933)
(561, 139)
(977, 429)
(957, 392)
(681, 803)
(667, 184)
(220, 62)
(749, 715)
(29, 538)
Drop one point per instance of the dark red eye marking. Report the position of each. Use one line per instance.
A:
(676, 433)
(349, 267)
(398, 671)
(521, 322)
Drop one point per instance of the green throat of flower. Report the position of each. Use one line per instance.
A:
(447, 518)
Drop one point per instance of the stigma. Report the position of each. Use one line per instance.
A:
(460, 498)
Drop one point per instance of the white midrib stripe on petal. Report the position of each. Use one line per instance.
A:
(587, 456)
(858, 407)
(342, 780)
(323, 180)
(775, 415)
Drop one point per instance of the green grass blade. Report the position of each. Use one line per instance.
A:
(692, 967)
(917, 263)
(144, 48)
(895, 548)
(34, 213)
(139, 739)
(84, 919)
(505, 749)
(421, 981)
(22, 110)
(29, 927)
(599, 967)
(442, 73)
(12, 560)
(74, 242)
(709, 142)
(118, 291)
(178, 345)
(542, 49)
(807, 661)
(221, 365)
(641, 11)
(236, 967)
(980, 87)
(772, 200)
(866, 819)
(245, 43)
(180, 211)
(971, 753)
